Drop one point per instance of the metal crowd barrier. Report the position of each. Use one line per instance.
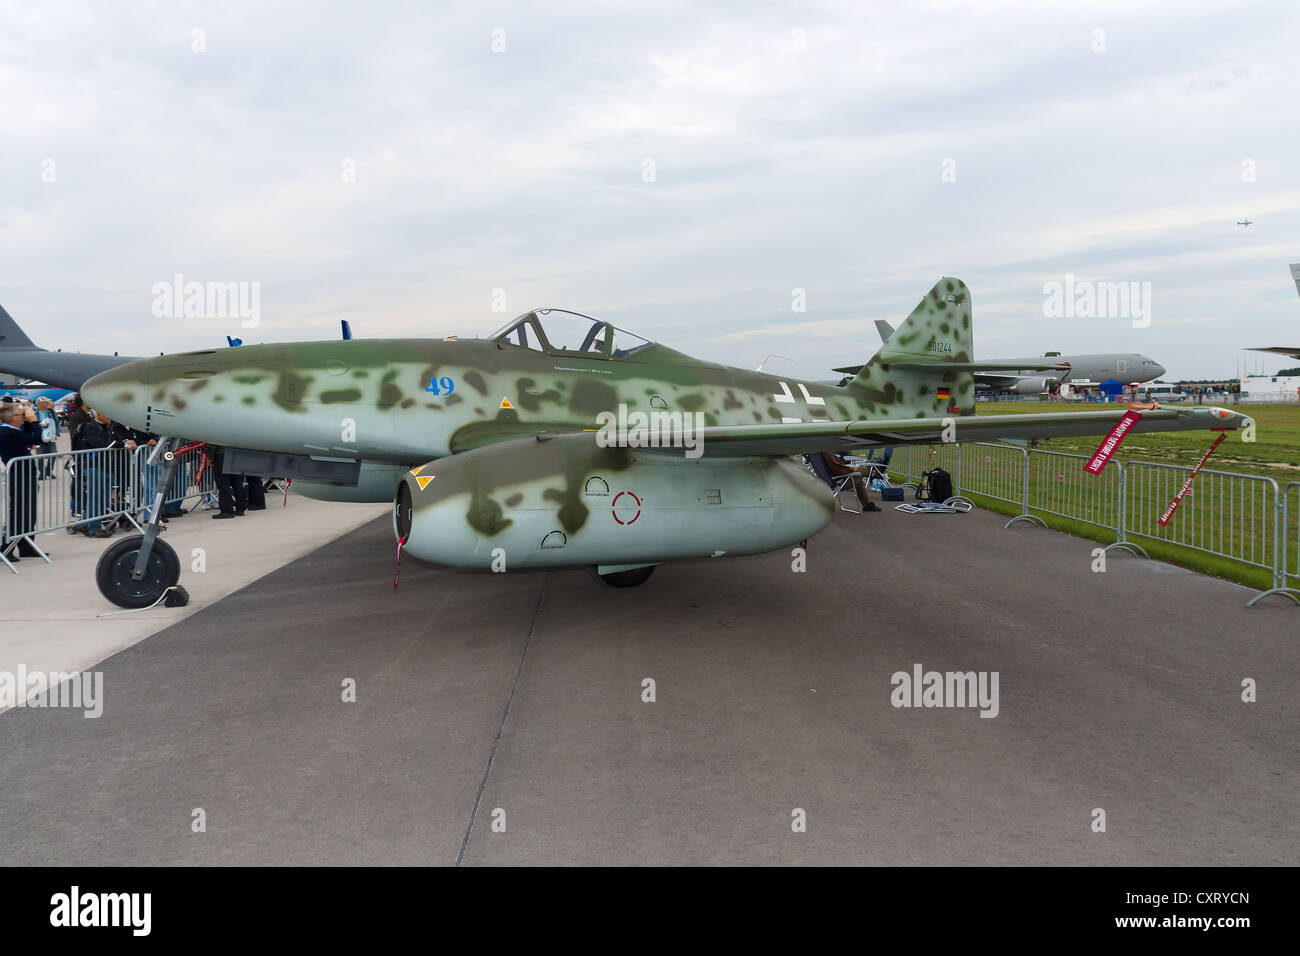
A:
(85, 489)
(1286, 579)
(1059, 486)
(1244, 518)
(994, 471)
(89, 490)
(1224, 514)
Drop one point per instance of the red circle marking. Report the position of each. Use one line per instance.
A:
(614, 508)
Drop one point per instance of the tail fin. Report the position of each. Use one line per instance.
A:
(924, 369)
(1295, 274)
(11, 336)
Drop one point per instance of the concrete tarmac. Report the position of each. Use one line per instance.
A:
(515, 703)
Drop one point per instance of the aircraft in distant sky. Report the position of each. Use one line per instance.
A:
(1292, 350)
(1245, 222)
(563, 442)
(1025, 376)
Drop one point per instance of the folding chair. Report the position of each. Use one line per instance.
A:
(838, 483)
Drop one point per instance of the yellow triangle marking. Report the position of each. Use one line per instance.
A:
(424, 480)
(505, 403)
(416, 471)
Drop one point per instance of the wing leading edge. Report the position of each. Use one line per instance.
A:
(735, 441)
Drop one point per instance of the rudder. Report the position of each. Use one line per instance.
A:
(924, 369)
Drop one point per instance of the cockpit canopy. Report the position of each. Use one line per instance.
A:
(562, 331)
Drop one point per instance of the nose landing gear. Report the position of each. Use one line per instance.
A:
(138, 571)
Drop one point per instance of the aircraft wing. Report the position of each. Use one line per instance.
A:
(734, 441)
(975, 367)
(1294, 351)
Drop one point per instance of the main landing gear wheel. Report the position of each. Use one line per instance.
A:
(626, 579)
(113, 573)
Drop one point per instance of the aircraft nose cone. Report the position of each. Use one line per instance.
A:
(1158, 370)
(120, 393)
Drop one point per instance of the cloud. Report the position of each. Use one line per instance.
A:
(678, 170)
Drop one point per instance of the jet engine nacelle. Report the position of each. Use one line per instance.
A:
(1033, 386)
(567, 502)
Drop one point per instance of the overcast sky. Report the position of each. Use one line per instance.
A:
(675, 168)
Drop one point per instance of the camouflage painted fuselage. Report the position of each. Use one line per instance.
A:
(389, 401)
(484, 445)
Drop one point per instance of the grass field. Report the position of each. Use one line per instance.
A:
(1221, 514)
(1275, 453)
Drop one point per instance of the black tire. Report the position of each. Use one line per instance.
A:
(113, 573)
(626, 579)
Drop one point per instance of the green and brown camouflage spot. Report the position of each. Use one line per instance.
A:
(247, 379)
(341, 395)
(476, 381)
(591, 398)
(572, 512)
(514, 499)
(886, 396)
(408, 403)
(530, 402)
(486, 516)
(289, 394)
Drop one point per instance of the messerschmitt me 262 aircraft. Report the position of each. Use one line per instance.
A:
(562, 441)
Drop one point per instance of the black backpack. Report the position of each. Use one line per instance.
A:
(935, 485)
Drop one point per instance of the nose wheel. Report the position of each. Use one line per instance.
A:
(116, 578)
(137, 572)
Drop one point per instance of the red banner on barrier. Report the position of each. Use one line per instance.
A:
(1112, 441)
(1187, 485)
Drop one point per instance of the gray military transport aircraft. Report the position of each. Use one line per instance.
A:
(562, 441)
(20, 356)
(1021, 376)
